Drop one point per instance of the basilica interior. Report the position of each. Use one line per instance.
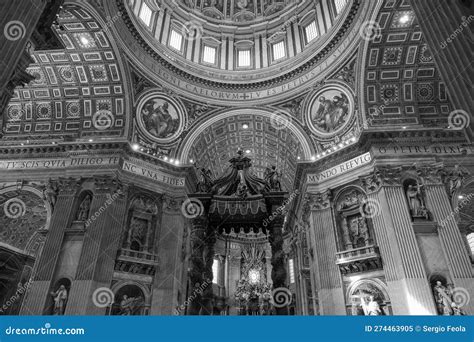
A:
(236, 157)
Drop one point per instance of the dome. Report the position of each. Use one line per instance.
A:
(236, 41)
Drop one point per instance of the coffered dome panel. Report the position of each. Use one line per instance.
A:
(402, 84)
(78, 92)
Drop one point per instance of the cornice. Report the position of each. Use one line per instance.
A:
(244, 84)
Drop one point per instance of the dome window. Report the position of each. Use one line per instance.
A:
(176, 40)
(339, 4)
(279, 50)
(243, 58)
(209, 55)
(311, 32)
(145, 14)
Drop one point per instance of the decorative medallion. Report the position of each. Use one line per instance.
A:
(330, 110)
(160, 117)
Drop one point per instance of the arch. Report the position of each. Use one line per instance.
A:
(380, 294)
(185, 148)
(346, 189)
(132, 289)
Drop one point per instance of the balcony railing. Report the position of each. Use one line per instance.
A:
(359, 259)
(137, 256)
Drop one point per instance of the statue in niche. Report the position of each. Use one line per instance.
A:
(345, 234)
(50, 193)
(370, 306)
(137, 233)
(84, 208)
(443, 299)
(272, 178)
(60, 298)
(129, 305)
(359, 232)
(455, 179)
(416, 202)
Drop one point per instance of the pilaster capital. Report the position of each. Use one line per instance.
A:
(431, 174)
(108, 185)
(172, 204)
(68, 186)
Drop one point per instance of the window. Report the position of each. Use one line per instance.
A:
(176, 40)
(215, 270)
(243, 58)
(209, 55)
(278, 50)
(291, 266)
(340, 4)
(145, 14)
(470, 242)
(311, 31)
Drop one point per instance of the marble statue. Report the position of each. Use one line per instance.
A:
(443, 299)
(416, 202)
(205, 183)
(370, 307)
(272, 178)
(128, 305)
(60, 298)
(84, 208)
(50, 193)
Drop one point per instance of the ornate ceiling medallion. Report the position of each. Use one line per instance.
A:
(160, 117)
(330, 110)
